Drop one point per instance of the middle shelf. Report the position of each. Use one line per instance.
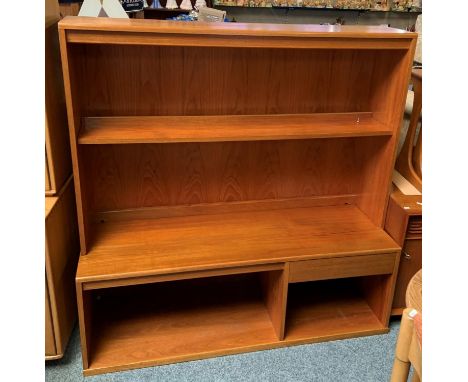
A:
(219, 128)
(135, 244)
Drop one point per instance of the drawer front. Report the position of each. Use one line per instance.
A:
(340, 267)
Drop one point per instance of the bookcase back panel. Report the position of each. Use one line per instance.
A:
(157, 80)
(146, 175)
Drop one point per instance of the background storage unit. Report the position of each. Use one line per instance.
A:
(58, 166)
(404, 225)
(61, 258)
(268, 158)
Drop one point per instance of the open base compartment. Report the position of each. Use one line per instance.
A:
(142, 325)
(332, 309)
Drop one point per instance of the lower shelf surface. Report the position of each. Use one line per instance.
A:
(130, 247)
(170, 322)
(332, 309)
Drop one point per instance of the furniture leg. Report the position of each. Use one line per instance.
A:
(401, 364)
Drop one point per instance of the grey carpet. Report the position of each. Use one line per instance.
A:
(366, 359)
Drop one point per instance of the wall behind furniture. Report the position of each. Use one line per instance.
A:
(400, 20)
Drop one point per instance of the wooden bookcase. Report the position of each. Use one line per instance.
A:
(231, 182)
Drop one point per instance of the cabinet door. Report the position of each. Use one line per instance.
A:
(410, 263)
(49, 329)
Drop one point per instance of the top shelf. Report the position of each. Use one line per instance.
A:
(219, 128)
(100, 30)
(77, 23)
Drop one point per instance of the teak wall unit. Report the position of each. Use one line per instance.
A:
(231, 182)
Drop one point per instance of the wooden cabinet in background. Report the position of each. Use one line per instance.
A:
(238, 205)
(57, 142)
(404, 224)
(61, 258)
(70, 8)
(50, 349)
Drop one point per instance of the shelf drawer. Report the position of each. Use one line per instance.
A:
(340, 267)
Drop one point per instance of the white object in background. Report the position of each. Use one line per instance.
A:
(103, 8)
(200, 4)
(211, 15)
(186, 4)
(404, 186)
(171, 4)
(418, 51)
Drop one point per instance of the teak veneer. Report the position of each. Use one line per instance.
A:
(144, 246)
(238, 205)
(219, 128)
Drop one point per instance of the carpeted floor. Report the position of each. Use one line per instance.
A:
(366, 359)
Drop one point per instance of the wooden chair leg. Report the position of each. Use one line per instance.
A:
(401, 365)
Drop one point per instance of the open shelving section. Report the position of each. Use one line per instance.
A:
(236, 206)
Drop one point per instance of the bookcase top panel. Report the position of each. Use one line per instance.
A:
(253, 29)
(138, 31)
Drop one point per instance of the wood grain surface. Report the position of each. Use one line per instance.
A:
(410, 263)
(61, 259)
(404, 225)
(150, 32)
(275, 293)
(296, 30)
(402, 208)
(148, 325)
(170, 320)
(226, 81)
(127, 248)
(327, 308)
(323, 269)
(408, 162)
(165, 129)
(155, 209)
(50, 349)
(148, 175)
(414, 292)
(57, 143)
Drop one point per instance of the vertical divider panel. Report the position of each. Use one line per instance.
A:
(378, 292)
(275, 292)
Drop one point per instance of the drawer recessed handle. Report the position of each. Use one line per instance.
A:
(407, 255)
